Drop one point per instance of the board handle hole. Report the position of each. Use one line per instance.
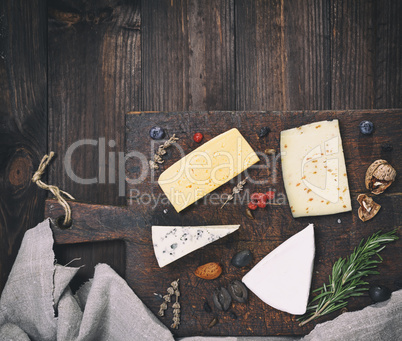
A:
(60, 223)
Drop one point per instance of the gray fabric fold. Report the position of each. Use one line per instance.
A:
(27, 298)
(37, 304)
(378, 322)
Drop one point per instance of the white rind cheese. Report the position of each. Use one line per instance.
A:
(314, 170)
(173, 242)
(206, 168)
(282, 279)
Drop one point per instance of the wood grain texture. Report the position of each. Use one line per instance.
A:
(23, 120)
(388, 54)
(94, 79)
(307, 48)
(109, 57)
(271, 227)
(188, 55)
(293, 55)
(352, 54)
(261, 56)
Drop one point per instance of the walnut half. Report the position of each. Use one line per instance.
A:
(368, 207)
(379, 176)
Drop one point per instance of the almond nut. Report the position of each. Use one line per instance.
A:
(209, 271)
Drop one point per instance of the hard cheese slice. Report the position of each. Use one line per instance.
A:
(206, 168)
(282, 278)
(173, 242)
(314, 171)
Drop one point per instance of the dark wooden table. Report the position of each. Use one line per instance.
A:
(71, 70)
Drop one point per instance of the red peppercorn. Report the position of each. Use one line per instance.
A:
(198, 137)
(252, 206)
(263, 197)
(261, 204)
(270, 195)
(255, 197)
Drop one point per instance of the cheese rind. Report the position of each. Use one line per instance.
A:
(206, 168)
(282, 279)
(173, 242)
(314, 170)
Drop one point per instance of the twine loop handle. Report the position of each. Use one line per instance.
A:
(57, 192)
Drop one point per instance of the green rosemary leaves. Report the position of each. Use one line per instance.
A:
(347, 277)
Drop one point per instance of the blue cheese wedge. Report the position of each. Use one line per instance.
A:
(314, 170)
(282, 279)
(173, 242)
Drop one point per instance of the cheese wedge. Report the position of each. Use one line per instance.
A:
(314, 170)
(206, 168)
(282, 279)
(173, 242)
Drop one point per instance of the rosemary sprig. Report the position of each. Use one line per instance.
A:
(347, 277)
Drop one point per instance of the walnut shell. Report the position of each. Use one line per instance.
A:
(368, 207)
(379, 176)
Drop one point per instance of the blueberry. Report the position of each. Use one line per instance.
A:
(366, 127)
(157, 133)
(264, 131)
(379, 293)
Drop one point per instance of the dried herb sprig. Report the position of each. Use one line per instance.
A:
(176, 305)
(347, 277)
(161, 151)
(236, 190)
(163, 306)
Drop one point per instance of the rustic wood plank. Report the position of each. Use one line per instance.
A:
(94, 79)
(388, 54)
(307, 47)
(282, 55)
(23, 122)
(352, 54)
(261, 82)
(318, 55)
(270, 228)
(188, 55)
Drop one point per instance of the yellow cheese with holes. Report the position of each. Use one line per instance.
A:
(206, 168)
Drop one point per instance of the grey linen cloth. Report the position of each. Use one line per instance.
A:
(37, 304)
(104, 308)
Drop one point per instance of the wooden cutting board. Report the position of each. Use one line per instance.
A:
(336, 235)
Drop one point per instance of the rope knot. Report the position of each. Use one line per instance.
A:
(57, 192)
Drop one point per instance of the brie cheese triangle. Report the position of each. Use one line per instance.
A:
(173, 242)
(282, 279)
